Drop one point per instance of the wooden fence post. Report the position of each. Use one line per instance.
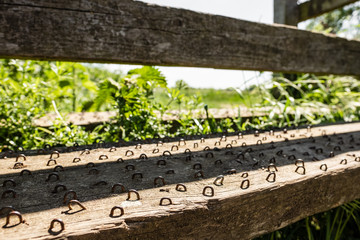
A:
(286, 12)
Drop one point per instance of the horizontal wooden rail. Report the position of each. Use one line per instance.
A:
(315, 8)
(126, 31)
(96, 118)
(252, 197)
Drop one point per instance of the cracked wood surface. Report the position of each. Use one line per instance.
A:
(231, 213)
(126, 31)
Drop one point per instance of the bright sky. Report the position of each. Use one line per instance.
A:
(253, 10)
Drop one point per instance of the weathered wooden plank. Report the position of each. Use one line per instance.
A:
(314, 8)
(286, 12)
(96, 118)
(231, 213)
(125, 31)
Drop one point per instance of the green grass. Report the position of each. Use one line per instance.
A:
(29, 89)
(214, 98)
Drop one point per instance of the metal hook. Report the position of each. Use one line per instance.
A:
(301, 162)
(112, 149)
(51, 160)
(57, 220)
(94, 171)
(54, 153)
(139, 174)
(211, 191)
(74, 195)
(20, 156)
(209, 154)
(300, 167)
(245, 182)
(103, 157)
(323, 167)
(161, 162)
(115, 208)
(143, 156)
(183, 141)
(86, 151)
(58, 168)
(129, 152)
(159, 178)
(271, 175)
(167, 153)
(76, 202)
(207, 148)
(273, 166)
(9, 191)
(228, 146)
(135, 192)
(122, 187)
(11, 181)
(180, 187)
(53, 174)
(25, 171)
(56, 189)
(130, 167)
(219, 180)
(165, 199)
(14, 213)
(197, 166)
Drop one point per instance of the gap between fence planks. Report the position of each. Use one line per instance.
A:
(126, 31)
(232, 212)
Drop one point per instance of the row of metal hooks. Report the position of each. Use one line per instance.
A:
(70, 197)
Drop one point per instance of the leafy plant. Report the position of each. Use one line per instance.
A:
(30, 89)
(343, 21)
(132, 97)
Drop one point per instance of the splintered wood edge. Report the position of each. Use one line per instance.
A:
(231, 213)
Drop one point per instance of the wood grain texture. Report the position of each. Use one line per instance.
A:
(232, 213)
(125, 31)
(314, 8)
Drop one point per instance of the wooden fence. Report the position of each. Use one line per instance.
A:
(126, 31)
(133, 32)
(291, 13)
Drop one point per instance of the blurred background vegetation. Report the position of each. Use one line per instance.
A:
(31, 89)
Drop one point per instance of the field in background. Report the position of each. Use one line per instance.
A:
(214, 98)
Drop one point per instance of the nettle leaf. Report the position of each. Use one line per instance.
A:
(89, 85)
(64, 83)
(148, 76)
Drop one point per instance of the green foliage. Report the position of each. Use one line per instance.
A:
(30, 89)
(339, 223)
(230, 98)
(344, 21)
(323, 99)
(133, 97)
